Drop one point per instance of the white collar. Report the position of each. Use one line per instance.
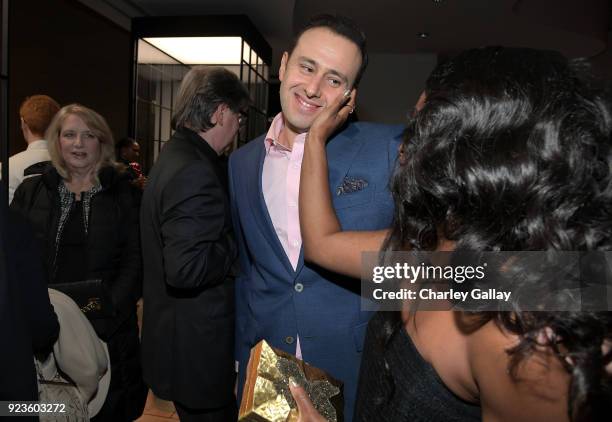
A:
(40, 144)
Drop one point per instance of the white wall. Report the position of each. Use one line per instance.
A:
(391, 86)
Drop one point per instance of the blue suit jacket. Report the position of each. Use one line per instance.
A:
(326, 312)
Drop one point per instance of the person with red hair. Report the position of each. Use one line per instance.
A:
(35, 114)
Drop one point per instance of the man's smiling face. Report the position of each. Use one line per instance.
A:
(320, 68)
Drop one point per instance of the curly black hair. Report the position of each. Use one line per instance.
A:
(512, 152)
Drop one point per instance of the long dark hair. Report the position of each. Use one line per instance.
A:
(512, 151)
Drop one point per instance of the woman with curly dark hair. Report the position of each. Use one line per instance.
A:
(510, 151)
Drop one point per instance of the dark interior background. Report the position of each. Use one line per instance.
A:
(66, 50)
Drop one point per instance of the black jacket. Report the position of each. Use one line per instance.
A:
(27, 321)
(113, 255)
(113, 244)
(188, 248)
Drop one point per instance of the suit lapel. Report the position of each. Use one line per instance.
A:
(341, 152)
(260, 210)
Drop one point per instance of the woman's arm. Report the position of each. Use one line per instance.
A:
(324, 242)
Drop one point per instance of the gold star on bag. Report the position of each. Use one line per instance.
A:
(266, 396)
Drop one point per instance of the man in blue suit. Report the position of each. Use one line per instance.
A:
(296, 307)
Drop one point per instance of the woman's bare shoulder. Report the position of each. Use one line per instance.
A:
(537, 390)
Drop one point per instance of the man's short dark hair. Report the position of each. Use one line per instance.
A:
(342, 26)
(202, 90)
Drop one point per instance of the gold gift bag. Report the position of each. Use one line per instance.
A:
(266, 396)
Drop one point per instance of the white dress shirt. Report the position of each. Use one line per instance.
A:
(35, 153)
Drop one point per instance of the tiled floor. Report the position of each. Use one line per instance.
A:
(157, 410)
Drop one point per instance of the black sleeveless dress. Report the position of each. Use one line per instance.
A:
(397, 384)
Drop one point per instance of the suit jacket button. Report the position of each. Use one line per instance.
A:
(298, 287)
(289, 340)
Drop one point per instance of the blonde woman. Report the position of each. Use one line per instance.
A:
(84, 214)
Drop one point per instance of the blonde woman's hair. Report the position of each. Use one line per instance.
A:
(96, 124)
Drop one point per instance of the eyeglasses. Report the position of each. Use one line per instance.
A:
(242, 118)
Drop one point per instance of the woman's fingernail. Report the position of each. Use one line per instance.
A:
(292, 382)
(347, 93)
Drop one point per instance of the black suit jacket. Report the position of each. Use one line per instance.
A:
(188, 251)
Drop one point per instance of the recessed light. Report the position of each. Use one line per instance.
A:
(423, 35)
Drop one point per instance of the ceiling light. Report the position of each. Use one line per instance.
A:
(200, 50)
(423, 35)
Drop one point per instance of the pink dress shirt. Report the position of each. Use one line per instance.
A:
(281, 185)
